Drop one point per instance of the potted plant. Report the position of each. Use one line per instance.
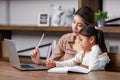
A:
(100, 17)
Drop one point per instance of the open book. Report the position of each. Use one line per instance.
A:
(76, 69)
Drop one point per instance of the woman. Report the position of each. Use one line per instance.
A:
(69, 43)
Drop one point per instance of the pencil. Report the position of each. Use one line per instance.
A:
(40, 40)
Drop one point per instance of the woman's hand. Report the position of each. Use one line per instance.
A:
(35, 55)
(50, 63)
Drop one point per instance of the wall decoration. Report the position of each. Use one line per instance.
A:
(69, 16)
(43, 19)
(56, 15)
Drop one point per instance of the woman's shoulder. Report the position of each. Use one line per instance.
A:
(67, 36)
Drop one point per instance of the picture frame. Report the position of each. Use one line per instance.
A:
(43, 19)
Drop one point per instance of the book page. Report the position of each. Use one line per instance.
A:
(79, 69)
(59, 70)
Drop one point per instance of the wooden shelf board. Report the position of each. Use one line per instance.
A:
(35, 28)
(111, 29)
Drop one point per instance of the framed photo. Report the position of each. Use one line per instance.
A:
(43, 19)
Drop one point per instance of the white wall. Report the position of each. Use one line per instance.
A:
(25, 12)
(3, 12)
(112, 7)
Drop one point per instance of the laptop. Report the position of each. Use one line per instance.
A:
(15, 61)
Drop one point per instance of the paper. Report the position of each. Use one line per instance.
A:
(77, 69)
(59, 70)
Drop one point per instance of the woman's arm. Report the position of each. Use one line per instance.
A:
(35, 56)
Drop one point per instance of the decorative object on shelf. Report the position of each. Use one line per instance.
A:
(100, 17)
(43, 19)
(101, 23)
(56, 16)
(69, 16)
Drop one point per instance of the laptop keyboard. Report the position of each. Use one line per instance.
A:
(26, 66)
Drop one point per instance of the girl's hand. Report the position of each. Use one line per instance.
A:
(35, 55)
(50, 63)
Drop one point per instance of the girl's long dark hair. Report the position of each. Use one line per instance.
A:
(89, 31)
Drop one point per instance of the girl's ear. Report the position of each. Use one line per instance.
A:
(92, 39)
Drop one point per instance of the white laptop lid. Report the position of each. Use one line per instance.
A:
(12, 53)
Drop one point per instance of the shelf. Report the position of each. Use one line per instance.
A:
(35, 28)
(111, 29)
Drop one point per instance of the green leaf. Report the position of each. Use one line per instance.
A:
(101, 15)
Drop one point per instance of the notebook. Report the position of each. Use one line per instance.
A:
(14, 58)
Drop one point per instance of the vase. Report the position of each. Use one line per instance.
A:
(101, 23)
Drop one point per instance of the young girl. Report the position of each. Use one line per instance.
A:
(93, 54)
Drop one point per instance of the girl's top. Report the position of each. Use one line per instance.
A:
(94, 59)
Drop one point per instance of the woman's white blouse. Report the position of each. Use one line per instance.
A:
(94, 59)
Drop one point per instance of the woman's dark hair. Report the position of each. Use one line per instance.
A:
(89, 31)
(87, 15)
